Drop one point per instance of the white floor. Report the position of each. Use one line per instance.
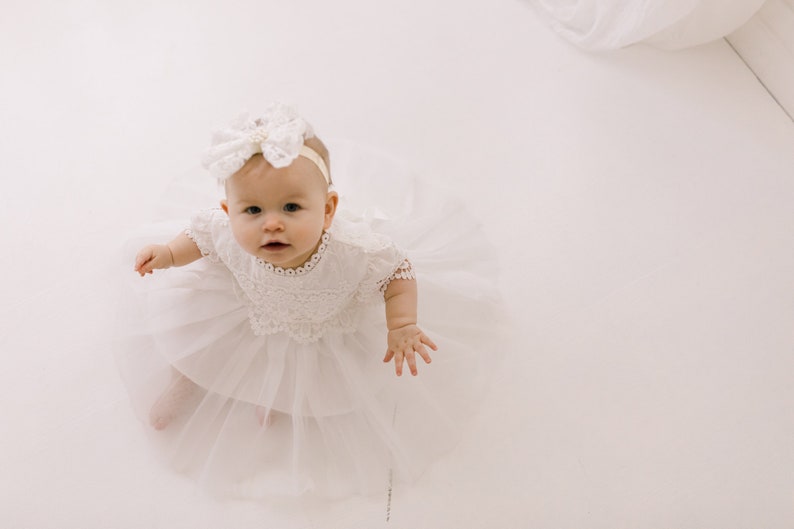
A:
(641, 201)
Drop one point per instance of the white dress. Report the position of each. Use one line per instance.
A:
(305, 347)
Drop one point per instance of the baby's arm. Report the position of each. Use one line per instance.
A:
(405, 338)
(179, 252)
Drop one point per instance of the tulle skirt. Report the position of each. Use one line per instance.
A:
(263, 416)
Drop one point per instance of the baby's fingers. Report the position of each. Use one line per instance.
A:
(398, 360)
(143, 268)
(389, 356)
(427, 341)
(144, 256)
(410, 357)
(399, 357)
(423, 353)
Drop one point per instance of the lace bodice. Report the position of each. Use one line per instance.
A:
(349, 272)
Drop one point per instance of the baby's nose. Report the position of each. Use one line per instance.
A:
(271, 222)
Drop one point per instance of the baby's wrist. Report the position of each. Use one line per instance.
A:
(399, 324)
(170, 255)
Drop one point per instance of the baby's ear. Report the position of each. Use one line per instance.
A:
(225, 206)
(330, 208)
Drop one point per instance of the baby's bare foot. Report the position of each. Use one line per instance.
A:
(265, 416)
(171, 402)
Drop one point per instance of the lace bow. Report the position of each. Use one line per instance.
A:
(278, 134)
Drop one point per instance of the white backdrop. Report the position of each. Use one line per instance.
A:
(641, 201)
(668, 24)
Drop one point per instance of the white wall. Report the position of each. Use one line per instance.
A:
(766, 43)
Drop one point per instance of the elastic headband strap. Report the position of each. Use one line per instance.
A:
(311, 154)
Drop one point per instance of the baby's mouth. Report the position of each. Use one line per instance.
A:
(275, 245)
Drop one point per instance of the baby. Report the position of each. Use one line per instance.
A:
(279, 215)
(276, 306)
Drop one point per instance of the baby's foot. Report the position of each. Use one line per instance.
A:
(265, 416)
(171, 402)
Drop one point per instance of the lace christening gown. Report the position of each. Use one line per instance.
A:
(288, 392)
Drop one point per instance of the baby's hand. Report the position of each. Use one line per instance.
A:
(153, 257)
(404, 342)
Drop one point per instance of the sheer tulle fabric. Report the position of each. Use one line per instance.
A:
(268, 414)
(669, 24)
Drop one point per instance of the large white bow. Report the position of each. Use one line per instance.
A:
(277, 133)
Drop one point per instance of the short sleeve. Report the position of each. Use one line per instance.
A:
(202, 231)
(404, 270)
(384, 265)
(384, 261)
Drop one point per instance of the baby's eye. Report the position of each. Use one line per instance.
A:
(291, 207)
(253, 210)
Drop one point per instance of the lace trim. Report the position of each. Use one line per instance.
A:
(306, 267)
(405, 270)
(202, 245)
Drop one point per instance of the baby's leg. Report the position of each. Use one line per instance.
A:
(172, 401)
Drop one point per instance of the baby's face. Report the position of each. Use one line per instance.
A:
(279, 215)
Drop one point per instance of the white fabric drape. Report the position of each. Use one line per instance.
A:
(668, 24)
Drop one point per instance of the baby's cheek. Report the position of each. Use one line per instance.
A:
(244, 237)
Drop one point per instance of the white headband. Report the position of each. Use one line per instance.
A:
(278, 134)
(310, 154)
